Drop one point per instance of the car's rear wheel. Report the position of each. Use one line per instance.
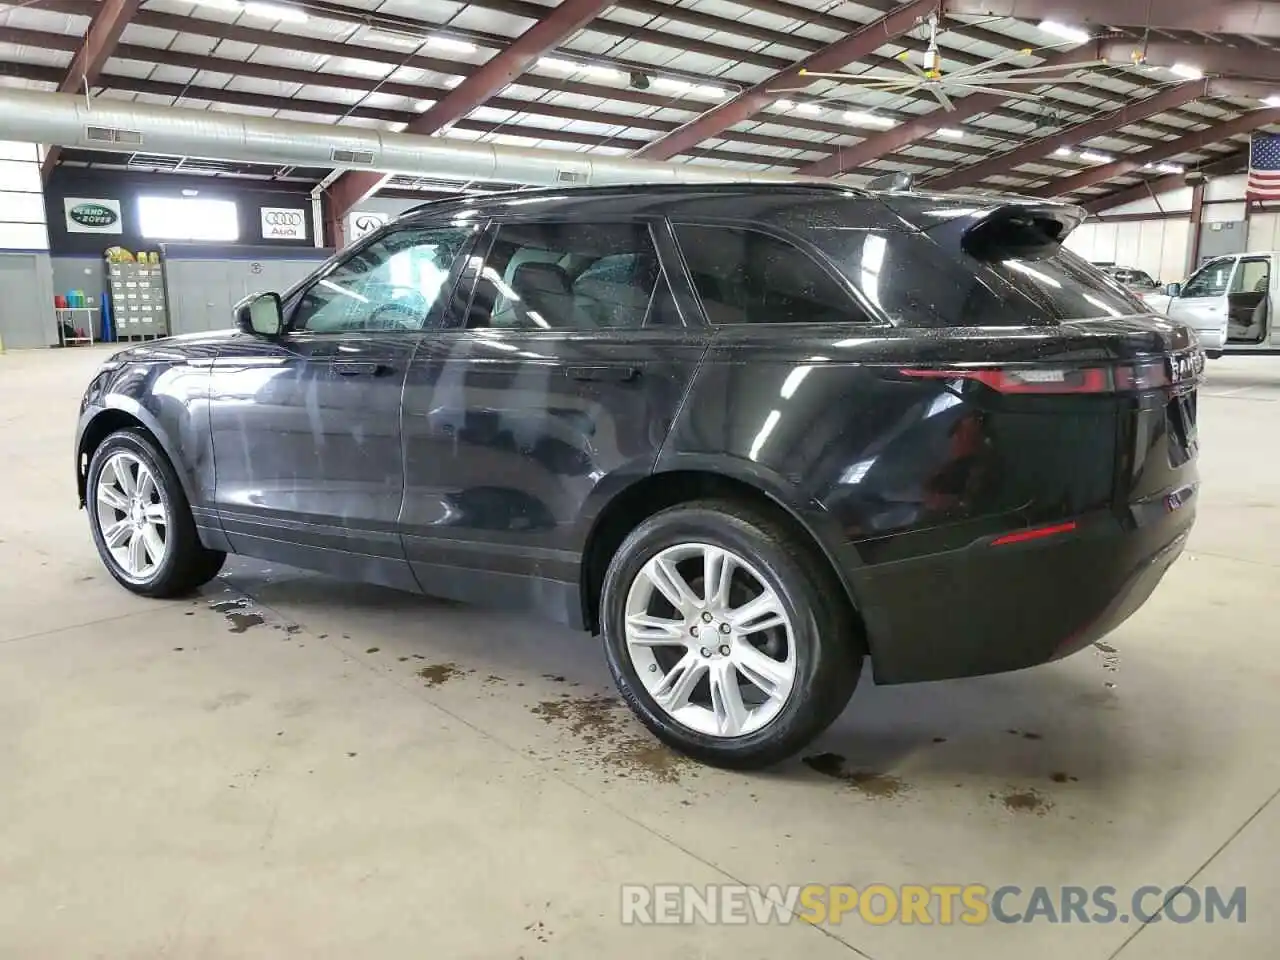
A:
(727, 635)
(141, 521)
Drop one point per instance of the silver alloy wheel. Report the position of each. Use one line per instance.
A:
(132, 516)
(710, 640)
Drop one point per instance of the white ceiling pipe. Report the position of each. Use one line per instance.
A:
(68, 120)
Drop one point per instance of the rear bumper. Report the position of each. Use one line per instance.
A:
(991, 609)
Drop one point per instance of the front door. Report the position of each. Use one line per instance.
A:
(306, 428)
(1202, 302)
(554, 389)
(1248, 300)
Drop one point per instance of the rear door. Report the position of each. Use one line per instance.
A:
(551, 389)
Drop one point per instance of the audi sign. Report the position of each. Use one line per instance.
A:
(284, 223)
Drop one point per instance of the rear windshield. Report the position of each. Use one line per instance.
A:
(1066, 287)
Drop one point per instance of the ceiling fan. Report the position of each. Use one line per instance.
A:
(992, 76)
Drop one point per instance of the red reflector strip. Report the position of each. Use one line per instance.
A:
(1022, 536)
(1030, 380)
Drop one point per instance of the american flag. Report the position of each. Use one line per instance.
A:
(1264, 167)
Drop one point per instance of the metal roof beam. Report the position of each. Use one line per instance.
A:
(748, 103)
(546, 34)
(1253, 18)
(1135, 112)
(1150, 188)
(95, 50)
(1188, 144)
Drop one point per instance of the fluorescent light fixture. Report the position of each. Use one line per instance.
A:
(600, 70)
(1074, 34)
(1170, 168)
(190, 193)
(276, 12)
(671, 83)
(951, 133)
(1186, 70)
(448, 43)
(714, 92)
(399, 39)
(235, 5)
(812, 109)
(1062, 152)
(555, 63)
(869, 119)
(422, 106)
(784, 105)
(1272, 101)
(1090, 156)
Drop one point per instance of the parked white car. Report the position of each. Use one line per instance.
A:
(1230, 301)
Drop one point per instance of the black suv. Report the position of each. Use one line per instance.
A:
(749, 435)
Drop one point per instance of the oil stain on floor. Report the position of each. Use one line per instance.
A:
(1025, 801)
(866, 782)
(438, 673)
(608, 738)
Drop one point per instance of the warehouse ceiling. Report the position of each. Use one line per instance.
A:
(694, 81)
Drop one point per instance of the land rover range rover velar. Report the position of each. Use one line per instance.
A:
(749, 436)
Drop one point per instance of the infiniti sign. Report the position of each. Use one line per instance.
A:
(284, 223)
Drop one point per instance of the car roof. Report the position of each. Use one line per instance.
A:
(792, 205)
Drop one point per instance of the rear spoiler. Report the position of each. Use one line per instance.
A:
(1010, 227)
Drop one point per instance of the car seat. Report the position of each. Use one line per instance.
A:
(544, 290)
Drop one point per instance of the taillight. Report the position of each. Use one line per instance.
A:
(1059, 380)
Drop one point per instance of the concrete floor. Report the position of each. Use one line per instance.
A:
(339, 771)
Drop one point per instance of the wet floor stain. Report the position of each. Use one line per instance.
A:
(939, 739)
(494, 678)
(1025, 735)
(1105, 647)
(866, 782)
(227, 606)
(439, 673)
(373, 650)
(1060, 777)
(240, 622)
(1110, 656)
(292, 628)
(604, 729)
(540, 930)
(1025, 801)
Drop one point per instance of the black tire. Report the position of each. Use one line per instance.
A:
(188, 564)
(828, 644)
(1213, 354)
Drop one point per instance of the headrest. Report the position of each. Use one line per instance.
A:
(541, 278)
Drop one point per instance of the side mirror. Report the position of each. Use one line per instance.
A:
(1173, 289)
(261, 315)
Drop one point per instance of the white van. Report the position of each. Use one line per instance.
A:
(1230, 301)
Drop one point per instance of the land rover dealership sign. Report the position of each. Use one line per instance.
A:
(92, 216)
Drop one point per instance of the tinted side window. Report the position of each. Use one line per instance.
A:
(1211, 280)
(571, 276)
(392, 284)
(745, 276)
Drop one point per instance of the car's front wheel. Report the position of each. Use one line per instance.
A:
(727, 635)
(141, 521)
